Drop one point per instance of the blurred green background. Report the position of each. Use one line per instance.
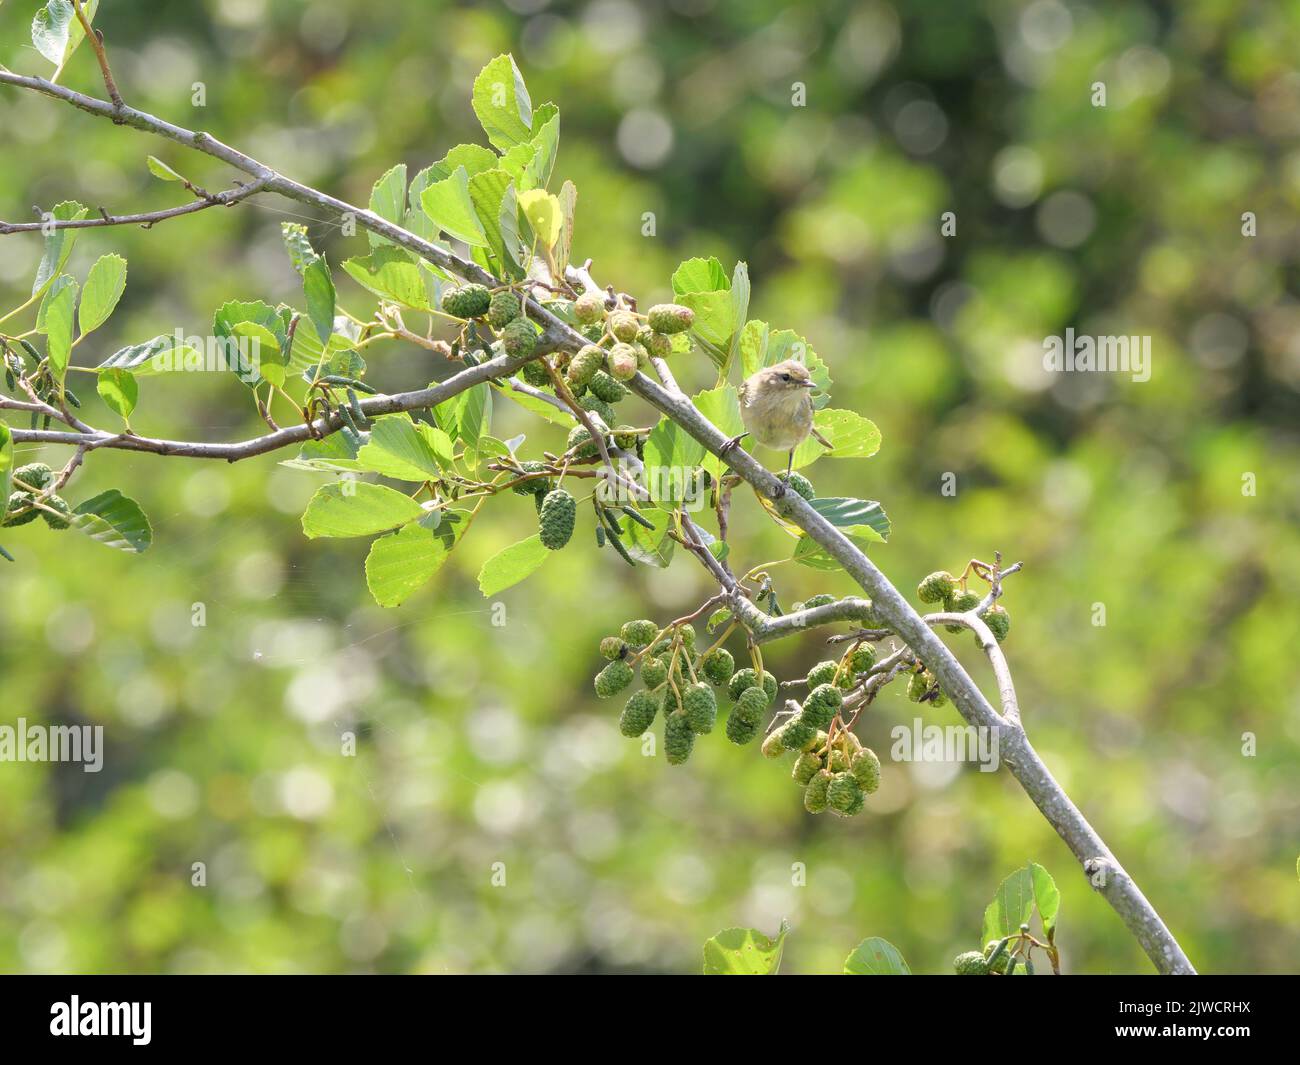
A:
(481, 744)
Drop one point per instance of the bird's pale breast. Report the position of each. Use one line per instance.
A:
(781, 422)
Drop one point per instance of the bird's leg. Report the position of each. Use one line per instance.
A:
(783, 481)
(731, 444)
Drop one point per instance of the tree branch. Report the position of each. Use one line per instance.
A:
(94, 439)
(1105, 872)
(147, 219)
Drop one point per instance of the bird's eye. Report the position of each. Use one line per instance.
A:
(785, 377)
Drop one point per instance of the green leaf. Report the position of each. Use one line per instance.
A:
(544, 213)
(502, 104)
(539, 407)
(515, 163)
(335, 453)
(1047, 897)
(6, 459)
(722, 407)
(357, 508)
(876, 957)
(58, 330)
(467, 415)
(699, 275)
(473, 157)
(487, 448)
(340, 356)
(401, 562)
(392, 274)
(492, 195)
(250, 340)
(448, 205)
(114, 520)
(161, 170)
(1011, 906)
(858, 514)
(388, 200)
(720, 304)
(739, 310)
(744, 952)
(297, 245)
(853, 437)
(401, 449)
(544, 113)
(808, 552)
(261, 349)
(104, 287)
(162, 354)
(568, 205)
(511, 565)
(56, 30)
(650, 546)
(43, 311)
(51, 28)
(318, 286)
(671, 456)
(546, 140)
(58, 245)
(715, 321)
(119, 390)
(511, 238)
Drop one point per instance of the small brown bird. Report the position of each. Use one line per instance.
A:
(776, 407)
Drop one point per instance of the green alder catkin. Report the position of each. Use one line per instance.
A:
(556, 518)
(613, 678)
(639, 713)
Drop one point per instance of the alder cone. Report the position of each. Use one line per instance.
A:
(670, 318)
(556, 518)
(701, 708)
(865, 767)
(35, 475)
(17, 501)
(589, 308)
(802, 486)
(584, 365)
(624, 326)
(503, 309)
(59, 521)
(679, 739)
(815, 794)
(519, 338)
(718, 665)
(613, 678)
(467, 301)
(639, 714)
(936, 587)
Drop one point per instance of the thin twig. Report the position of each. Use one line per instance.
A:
(147, 219)
(97, 43)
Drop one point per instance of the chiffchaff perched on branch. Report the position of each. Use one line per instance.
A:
(776, 407)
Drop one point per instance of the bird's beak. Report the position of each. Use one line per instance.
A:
(809, 384)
